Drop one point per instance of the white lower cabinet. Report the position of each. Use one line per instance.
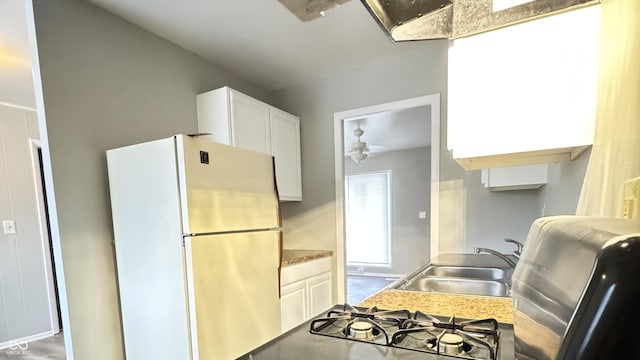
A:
(319, 293)
(293, 304)
(306, 291)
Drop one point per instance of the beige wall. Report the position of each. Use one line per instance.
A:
(106, 83)
(24, 297)
(615, 157)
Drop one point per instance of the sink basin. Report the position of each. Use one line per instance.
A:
(459, 279)
(483, 273)
(457, 285)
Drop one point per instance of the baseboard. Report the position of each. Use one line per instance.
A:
(20, 343)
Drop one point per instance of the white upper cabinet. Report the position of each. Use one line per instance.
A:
(526, 93)
(250, 123)
(520, 177)
(236, 119)
(285, 146)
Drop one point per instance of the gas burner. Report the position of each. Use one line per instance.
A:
(361, 330)
(452, 344)
(473, 339)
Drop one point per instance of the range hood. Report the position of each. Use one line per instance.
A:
(407, 20)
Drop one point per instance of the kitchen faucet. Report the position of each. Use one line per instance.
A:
(517, 252)
(502, 256)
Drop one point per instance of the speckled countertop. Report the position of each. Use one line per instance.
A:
(296, 256)
(463, 306)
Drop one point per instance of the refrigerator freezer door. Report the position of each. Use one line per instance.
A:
(233, 285)
(225, 188)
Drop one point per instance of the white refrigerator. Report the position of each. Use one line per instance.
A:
(198, 248)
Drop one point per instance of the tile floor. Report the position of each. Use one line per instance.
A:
(51, 348)
(361, 287)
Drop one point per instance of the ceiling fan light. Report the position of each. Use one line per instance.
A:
(359, 146)
(358, 156)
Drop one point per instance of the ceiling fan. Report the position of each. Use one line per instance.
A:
(358, 147)
(361, 150)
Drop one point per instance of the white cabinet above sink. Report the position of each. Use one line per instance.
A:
(524, 94)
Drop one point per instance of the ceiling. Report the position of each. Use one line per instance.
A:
(16, 85)
(391, 130)
(261, 40)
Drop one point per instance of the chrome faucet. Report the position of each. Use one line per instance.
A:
(518, 251)
(502, 256)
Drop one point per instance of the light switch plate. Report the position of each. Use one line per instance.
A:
(9, 227)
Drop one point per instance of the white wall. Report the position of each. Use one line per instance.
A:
(410, 184)
(106, 83)
(24, 296)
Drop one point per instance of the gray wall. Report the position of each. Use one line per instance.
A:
(24, 300)
(470, 215)
(410, 184)
(312, 222)
(561, 193)
(106, 83)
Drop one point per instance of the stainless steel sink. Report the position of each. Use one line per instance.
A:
(470, 280)
(458, 285)
(483, 273)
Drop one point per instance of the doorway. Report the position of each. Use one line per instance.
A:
(382, 237)
(54, 295)
(29, 301)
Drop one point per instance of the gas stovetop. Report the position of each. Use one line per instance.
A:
(470, 339)
(347, 332)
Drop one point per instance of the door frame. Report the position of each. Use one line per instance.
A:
(38, 179)
(433, 101)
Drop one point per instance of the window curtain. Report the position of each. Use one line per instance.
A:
(615, 156)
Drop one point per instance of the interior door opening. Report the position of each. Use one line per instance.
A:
(387, 170)
(50, 241)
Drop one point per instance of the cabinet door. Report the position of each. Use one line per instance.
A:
(250, 123)
(319, 293)
(285, 146)
(293, 304)
(524, 94)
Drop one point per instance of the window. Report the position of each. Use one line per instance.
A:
(368, 219)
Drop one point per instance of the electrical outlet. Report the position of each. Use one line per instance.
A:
(9, 227)
(631, 199)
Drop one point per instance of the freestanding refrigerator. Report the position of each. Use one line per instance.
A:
(197, 242)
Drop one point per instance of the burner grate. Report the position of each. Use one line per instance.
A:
(339, 323)
(468, 339)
